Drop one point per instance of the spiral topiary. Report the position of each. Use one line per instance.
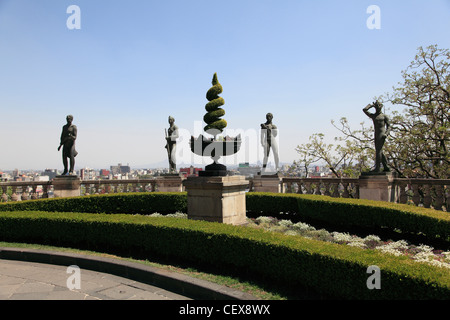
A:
(212, 118)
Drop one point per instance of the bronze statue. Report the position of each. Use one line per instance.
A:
(171, 144)
(269, 132)
(68, 137)
(382, 128)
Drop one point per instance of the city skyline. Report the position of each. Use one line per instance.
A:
(131, 65)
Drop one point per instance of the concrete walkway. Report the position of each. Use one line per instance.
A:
(35, 281)
(28, 274)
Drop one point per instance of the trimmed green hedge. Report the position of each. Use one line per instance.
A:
(331, 269)
(131, 203)
(333, 211)
(353, 213)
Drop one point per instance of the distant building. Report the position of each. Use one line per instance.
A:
(21, 177)
(4, 176)
(43, 178)
(246, 170)
(87, 174)
(51, 173)
(191, 171)
(104, 173)
(120, 169)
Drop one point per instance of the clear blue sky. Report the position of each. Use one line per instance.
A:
(133, 63)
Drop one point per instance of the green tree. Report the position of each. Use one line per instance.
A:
(419, 140)
(420, 135)
(340, 159)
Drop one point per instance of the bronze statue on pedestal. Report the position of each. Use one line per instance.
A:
(382, 128)
(67, 142)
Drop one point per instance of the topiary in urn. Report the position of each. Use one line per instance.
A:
(214, 123)
(214, 147)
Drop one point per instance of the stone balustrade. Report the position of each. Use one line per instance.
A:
(89, 187)
(429, 193)
(25, 190)
(333, 187)
(30, 190)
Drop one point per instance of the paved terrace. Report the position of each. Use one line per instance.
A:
(28, 274)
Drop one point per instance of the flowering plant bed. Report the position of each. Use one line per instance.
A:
(420, 253)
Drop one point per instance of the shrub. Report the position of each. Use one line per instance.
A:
(353, 213)
(334, 212)
(333, 270)
(131, 203)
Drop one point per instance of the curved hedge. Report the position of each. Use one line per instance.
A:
(334, 211)
(354, 213)
(131, 203)
(331, 269)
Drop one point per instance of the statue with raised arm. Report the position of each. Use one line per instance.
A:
(382, 128)
(67, 142)
(171, 144)
(269, 132)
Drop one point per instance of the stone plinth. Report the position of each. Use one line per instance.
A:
(217, 199)
(170, 183)
(377, 186)
(66, 186)
(268, 183)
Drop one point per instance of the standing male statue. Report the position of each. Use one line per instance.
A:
(68, 137)
(269, 132)
(382, 128)
(171, 144)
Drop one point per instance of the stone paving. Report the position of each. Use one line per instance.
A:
(36, 281)
(32, 274)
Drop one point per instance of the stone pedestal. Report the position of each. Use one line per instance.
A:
(217, 199)
(170, 183)
(377, 186)
(268, 183)
(66, 186)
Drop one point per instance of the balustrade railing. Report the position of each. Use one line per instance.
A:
(31, 190)
(89, 187)
(25, 190)
(429, 193)
(334, 187)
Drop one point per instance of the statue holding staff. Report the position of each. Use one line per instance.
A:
(67, 142)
